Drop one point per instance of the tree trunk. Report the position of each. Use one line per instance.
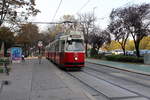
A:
(137, 48)
(123, 47)
(124, 51)
(0, 23)
(86, 53)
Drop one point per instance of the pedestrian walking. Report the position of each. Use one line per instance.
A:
(40, 58)
(6, 70)
(23, 60)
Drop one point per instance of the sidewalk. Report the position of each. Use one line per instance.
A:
(137, 68)
(3, 77)
(30, 80)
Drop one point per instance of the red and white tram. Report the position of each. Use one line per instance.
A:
(67, 51)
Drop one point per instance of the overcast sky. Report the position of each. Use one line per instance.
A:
(101, 8)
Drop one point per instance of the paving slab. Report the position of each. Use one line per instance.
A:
(50, 86)
(0, 86)
(30, 80)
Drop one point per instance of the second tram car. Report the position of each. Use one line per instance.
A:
(67, 51)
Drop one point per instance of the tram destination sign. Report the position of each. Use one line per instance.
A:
(75, 36)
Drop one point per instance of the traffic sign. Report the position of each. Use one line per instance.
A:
(40, 44)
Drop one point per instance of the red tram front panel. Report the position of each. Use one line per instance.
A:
(72, 59)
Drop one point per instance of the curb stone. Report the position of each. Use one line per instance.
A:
(124, 69)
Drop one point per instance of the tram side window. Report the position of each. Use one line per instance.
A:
(52, 49)
(49, 48)
(62, 45)
(57, 46)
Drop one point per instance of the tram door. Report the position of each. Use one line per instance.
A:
(62, 51)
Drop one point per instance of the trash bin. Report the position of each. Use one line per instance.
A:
(147, 58)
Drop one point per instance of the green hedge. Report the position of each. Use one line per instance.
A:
(4, 60)
(99, 56)
(1, 70)
(123, 58)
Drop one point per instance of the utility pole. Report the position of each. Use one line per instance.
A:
(40, 45)
(94, 15)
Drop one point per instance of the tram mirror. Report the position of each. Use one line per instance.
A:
(69, 42)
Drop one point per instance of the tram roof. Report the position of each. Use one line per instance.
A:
(73, 35)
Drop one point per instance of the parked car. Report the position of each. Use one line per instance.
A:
(104, 52)
(148, 51)
(130, 53)
(107, 53)
(143, 52)
(117, 52)
(101, 52)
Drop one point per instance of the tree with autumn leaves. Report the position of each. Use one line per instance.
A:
(144, 44)
(6, 37)
(28, 36)
(9, 11)
(10, 17)
(130, 21)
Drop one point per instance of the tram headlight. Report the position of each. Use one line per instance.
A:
(76, 58)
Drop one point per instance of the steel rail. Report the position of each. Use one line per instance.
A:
(141, 95)
(148, 86)
(89, 86)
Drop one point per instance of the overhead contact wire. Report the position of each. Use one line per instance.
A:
(57, 9)
(84, 5)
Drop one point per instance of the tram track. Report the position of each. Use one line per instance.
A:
(100, 93)
(139, 95)
(97, 70)
(86, 71)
